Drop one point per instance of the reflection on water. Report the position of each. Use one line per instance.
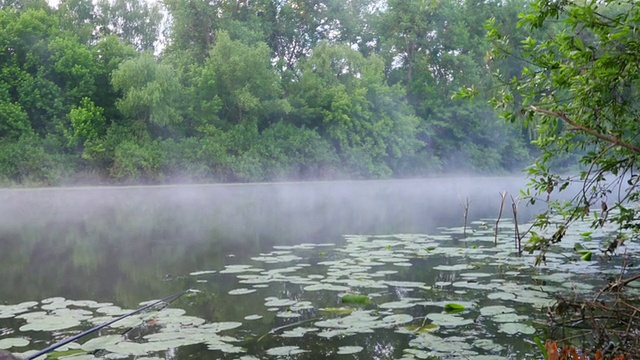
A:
(126, 245)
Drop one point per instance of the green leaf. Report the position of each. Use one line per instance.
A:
(453, 308)
(355, 299)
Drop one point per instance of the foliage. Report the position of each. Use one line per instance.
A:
(578, 90)
(253, 91)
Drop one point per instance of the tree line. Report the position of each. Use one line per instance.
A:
(235, 90)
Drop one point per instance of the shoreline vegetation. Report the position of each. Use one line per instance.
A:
(132, 92)
(128, 92)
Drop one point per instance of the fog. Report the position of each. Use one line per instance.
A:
(294, 209)
(117, 243)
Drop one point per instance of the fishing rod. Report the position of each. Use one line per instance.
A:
(101, 326)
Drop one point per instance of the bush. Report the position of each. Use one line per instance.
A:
(25, 161)
(137, 161)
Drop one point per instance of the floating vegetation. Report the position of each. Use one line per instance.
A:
(355, 299)
(436, 296)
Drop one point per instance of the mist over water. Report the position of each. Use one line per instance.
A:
(119, 244)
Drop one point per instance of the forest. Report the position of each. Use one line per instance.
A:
(120, 91)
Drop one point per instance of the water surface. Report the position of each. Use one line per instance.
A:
(282, 254)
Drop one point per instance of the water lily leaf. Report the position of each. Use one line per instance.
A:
(453, 308)
(9, 311)
(456, 267)
(128, 348)
(50, 323)
(397, 319)
(488, 344)
(241, 291)
(510, 317)
(288, 314)
(514, 328)
(501, 296)
(405, 284)
(66, 354)
(403, 304)
(325, 286)
(253, 317)
(235, 269)
(298, 332)
(275, 302)
(337, 310)
(578, 248)
(495, 310)
(221, 326)
(448, 320)
(346, 350)
(101, 342)
(450, 345)
(586, 256)
(8, 343)
(355, 299)
(203, 272)
(419, 328)
(285, 351)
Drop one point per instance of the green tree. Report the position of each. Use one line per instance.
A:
(150, 91)
(344, 96)
(242, 78)
(193, 28)
(579, 89)
(136, 22)
(88, 126)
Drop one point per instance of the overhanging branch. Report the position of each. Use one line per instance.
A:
(575, 126)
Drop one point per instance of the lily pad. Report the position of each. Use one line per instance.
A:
(285, 351)
(8, 343)
(453, 308)
(355, 299)
(514, 328)
(241, 291)
(346, 350)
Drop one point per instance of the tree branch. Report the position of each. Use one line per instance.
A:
(575, 126)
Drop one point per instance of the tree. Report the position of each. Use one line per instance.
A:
(193, 27)
(150, 91)
(241, 77)
(136, 22)
(344, 96)
(579, 89)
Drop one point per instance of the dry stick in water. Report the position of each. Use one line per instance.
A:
(465, 205)
(514, 207)
(503, 196)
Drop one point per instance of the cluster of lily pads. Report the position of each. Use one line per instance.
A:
(439, 295)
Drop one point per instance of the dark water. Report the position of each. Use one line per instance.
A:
(127, 245)
(117, 244)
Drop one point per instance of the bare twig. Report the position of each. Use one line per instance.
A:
(465, 206)
(518, 238)
(503, 196)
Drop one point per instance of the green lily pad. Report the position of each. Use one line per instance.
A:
(355, 299)
(453, 308)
